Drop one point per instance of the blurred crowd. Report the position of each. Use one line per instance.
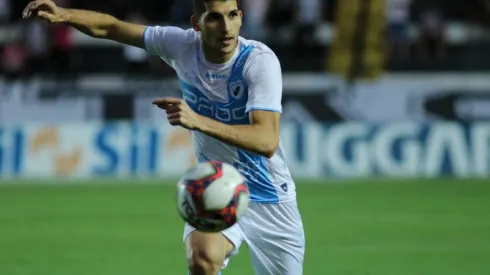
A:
(40, 42)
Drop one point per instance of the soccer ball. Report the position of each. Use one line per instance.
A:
(212, 196)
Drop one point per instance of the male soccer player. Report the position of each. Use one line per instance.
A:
(232, 89)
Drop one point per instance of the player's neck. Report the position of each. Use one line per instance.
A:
(217, 57)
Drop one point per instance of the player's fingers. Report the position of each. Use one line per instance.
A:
(28, 10)
(25, 11)
(174, 122)
(38, 4)
(34, 6)
(172, 109)
(173, 116)
(44, 4)
(47, 16)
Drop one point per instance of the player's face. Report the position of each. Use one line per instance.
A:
(220, 26)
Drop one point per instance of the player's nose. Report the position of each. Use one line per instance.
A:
(226, 26)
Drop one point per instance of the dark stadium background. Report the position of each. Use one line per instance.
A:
(347, 65)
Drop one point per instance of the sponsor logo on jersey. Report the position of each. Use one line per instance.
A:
(216, 76)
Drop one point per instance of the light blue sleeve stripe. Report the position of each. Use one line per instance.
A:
(263, 109)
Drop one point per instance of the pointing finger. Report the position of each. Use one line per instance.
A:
(167, 100)
(164, 106)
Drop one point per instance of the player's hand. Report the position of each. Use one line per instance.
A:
(47, 10)
(178, 112)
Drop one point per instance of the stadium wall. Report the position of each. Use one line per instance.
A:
(341, 150)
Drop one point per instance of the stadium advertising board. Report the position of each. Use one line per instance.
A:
(348, 150)
(92, 150)
(306, 97)
(343, 150)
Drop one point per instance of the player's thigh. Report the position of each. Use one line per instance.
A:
(213, 248)
(275, 238)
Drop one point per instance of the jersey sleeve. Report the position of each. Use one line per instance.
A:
(167, 42)
(263, 76)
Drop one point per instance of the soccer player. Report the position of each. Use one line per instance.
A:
(232, 89)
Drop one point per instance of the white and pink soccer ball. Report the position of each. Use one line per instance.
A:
(212, 196)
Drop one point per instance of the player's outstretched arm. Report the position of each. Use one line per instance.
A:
(94, 24)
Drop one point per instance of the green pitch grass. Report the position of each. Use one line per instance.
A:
(355, 228)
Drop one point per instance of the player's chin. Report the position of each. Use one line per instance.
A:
(228, 48)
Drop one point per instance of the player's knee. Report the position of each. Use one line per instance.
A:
(206, 252)
(204, 262)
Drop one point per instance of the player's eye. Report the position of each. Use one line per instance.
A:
(213, 17)
(233, 14)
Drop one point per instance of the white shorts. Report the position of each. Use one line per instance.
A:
(274, 236)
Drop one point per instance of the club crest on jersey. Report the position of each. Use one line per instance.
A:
(236, 89)
(284, 187)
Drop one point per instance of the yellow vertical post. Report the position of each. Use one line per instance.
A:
(358, 48)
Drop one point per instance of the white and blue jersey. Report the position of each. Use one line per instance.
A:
(250, 80)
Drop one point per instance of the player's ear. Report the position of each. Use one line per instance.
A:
(240, 13)
(195, 23)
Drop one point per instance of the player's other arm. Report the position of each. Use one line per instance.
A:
(94, 24)
(261, 136)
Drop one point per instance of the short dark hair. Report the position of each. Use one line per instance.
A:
(198, 6)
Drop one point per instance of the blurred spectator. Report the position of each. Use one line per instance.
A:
(309, 16)
(136, 58)
(255, 13)
(36, 45)
(286, 25)
(5, 10)
(398, 23)
(13, 60)
(261, 14)
(279, 18)
(62, 43)
(477, 16)
(432, 40)
(181, 12)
